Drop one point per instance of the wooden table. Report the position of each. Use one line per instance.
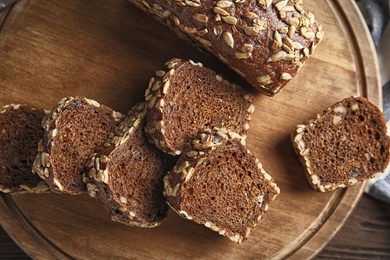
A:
(57, 66)
(365, 235)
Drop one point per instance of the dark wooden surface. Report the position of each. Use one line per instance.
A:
(365, 235)
(115, 61)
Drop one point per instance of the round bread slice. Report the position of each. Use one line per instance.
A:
(344, 145)
(73, 130)
(20, 132)
(218, 182)
(188, 98)
(128, 177)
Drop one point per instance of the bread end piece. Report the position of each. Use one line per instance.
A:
(265, 42)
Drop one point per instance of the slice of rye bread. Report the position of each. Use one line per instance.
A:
(128, 176)
(20, 131)
(344, 145)
(189, 97)
(219, 183)
(73, 130)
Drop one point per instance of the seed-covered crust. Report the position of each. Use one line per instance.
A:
(264, 41)
(218, 182)
(127, 175)
(20, 131)
(73, 130)
(187, 97)
(344, 145)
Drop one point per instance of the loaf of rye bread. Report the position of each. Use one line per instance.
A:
(219, 183)
(344, 145)
(20, 131)
(266, 42)
(187, 97)
(73, 130)
(128, 176)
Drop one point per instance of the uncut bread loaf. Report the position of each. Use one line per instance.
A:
(187, 97)
(128, 177)
(20, 131)
(73, 130)
(219, 183)
(266, 42)
(344, 145)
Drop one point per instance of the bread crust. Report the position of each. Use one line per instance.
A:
(266, 42)
(344, 145)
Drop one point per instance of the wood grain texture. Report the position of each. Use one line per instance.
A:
(107, 51)
(365, 235)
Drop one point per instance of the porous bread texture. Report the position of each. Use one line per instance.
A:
(73, 130)
(219, 183)
(128, 177)
(187, 97)
(266, 42)
(344, 145)
(20, 131)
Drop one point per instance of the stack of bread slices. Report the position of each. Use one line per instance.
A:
(184, 143)
(184, 148)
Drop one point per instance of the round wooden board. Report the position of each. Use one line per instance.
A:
(107, 51)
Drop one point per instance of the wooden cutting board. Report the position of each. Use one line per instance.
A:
(107, 51)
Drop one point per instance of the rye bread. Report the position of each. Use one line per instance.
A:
(186, 97)
(344, 145)
(266, 42)
(128, 176)
(73, 130)
(20, 131)
(219, 183)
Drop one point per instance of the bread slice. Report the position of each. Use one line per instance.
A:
(188, 97)
(345, 145)
(20, 131)
(128, 176)
(73, 130)
(219, 183)
(266, 42)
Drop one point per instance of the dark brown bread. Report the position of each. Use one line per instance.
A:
(264, 41)
(218, 182)
(73, 130)
(128, 177)
(345, 145)
(188, 97)
(20, 131)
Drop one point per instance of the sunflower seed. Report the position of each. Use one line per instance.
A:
(251, 31)
(220, 11)
(243, 55)
(201, 18)
(285, 76)
(230, 20)
(228, 38)
(224, 4)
